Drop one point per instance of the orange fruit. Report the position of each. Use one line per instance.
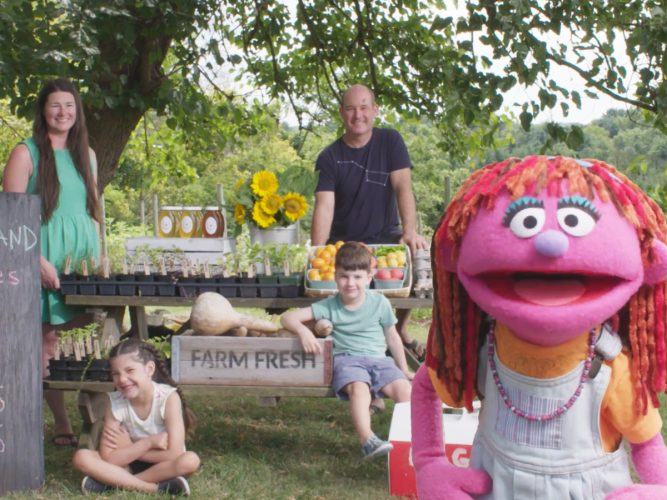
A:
(327, 255)
(314, 275)
(328, 276)
(331, 249)
(339, 244)
(318, 263)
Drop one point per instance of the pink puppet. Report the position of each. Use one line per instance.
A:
(549, 306)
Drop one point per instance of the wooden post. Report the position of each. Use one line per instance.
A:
(21, 434)
(223, 207)
(156, 215)
(103, 228)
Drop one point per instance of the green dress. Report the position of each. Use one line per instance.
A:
(70, 230)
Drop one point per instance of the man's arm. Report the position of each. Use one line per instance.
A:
(401, 183)
(322, 217)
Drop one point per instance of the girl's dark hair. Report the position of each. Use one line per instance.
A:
(144, 352)
(48, 186)
(353, 256)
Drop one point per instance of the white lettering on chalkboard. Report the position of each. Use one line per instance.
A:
(9, 278)
(2, 408)
(18, 238)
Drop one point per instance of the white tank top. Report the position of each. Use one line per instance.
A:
(139, 428)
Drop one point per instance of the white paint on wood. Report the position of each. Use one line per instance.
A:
(249, 361)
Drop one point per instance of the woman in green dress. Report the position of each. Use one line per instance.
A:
(57, 164)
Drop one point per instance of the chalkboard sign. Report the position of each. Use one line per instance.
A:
(21, 435)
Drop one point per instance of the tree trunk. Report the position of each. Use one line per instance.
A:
(109, 132)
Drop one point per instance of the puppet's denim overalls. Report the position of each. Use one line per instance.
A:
(562, 458)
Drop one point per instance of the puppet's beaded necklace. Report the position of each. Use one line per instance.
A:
(558, 411)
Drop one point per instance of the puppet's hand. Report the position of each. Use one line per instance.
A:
(639, 492)
(440, 480)
(436, 477)
(650, 461)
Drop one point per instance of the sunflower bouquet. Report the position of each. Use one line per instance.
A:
(258, 201)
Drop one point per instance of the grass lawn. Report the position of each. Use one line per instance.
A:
(304, 448)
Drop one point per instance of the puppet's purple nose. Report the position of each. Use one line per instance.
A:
(551, 243)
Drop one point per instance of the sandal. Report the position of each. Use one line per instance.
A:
(65, 439)
(416, 350)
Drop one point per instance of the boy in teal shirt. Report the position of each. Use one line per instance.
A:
(364, 325)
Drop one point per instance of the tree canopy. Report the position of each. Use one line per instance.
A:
(420, 57)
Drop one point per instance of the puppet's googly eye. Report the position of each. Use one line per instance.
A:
(575, 221)
(527, 222)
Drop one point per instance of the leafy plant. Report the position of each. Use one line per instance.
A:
(162, 345)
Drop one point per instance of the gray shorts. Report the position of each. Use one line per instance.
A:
(374, 371)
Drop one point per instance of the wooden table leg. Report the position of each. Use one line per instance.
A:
(139, 323)
(92, 406)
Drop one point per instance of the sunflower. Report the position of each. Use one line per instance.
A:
(260, 217)
(239, 184)
(271, 203)
(239, 214)
(264, 183)
(295, 206)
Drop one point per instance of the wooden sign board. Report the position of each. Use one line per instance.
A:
(249, 361)
(21, 435)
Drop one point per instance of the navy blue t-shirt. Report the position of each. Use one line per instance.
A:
(365, 203)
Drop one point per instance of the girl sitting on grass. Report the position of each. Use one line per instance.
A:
(145, 424)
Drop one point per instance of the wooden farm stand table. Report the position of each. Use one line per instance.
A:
(137, 305)
(92, 395)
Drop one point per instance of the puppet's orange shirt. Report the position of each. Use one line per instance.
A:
(617, 416)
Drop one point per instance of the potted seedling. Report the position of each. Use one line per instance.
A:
(68, 281)
(146, 280)
(245, 257)
(227, 283)
(207, 281)
(106, 280)
(187, 283)
(73, 347)
(87, 280)
(125, 277)
(166, 280)
(293, 261)
(268, 280)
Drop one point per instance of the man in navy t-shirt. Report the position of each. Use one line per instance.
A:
(364, 192)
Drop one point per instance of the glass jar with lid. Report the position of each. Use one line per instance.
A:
(190, 222)
(213, 223)
(168, 222)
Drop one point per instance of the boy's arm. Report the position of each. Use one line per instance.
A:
(175, 426)
(116, 447)
(294, 322)
(396, 348)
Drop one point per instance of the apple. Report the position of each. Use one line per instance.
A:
(383, 274)
(396, 274)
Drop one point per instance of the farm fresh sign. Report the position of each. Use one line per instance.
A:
(21, 436)
(249, 361)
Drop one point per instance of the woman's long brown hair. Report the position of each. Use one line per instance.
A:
(48, 185)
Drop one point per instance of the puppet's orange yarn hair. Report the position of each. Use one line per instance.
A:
(455, 334)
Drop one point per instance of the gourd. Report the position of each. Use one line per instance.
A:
(212, 314)
(323, 328)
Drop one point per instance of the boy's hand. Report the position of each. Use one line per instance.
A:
(309, 343)
(409, 374)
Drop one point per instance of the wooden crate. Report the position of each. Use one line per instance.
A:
(249, 361)
(201, 250)
(403, 291)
